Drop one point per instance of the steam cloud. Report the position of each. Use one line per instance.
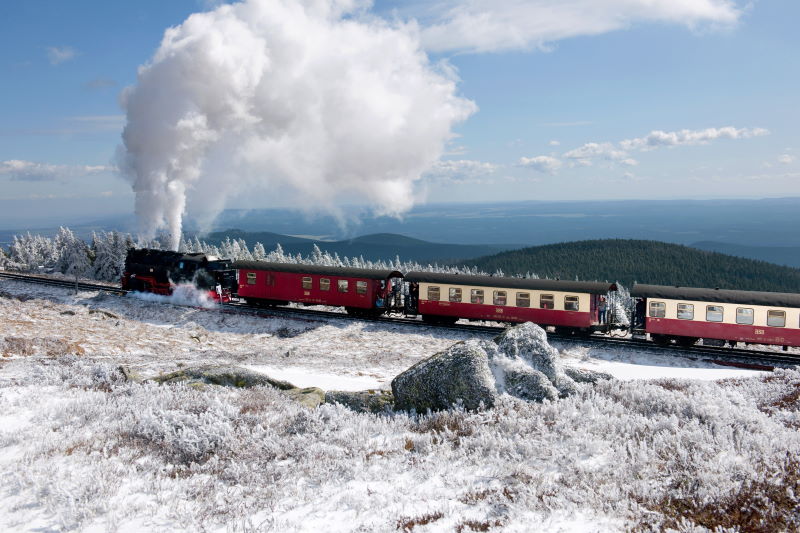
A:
(314, 102)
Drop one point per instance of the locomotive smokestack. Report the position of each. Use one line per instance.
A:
(300, 102)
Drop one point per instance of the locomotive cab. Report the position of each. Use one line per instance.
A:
(158, 271)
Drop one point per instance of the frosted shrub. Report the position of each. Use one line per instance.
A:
(617, 455)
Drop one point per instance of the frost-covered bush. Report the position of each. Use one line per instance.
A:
(690, 455)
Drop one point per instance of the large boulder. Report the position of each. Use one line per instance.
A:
(460, 374)
(519, 362)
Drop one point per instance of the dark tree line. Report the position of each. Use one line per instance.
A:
(629, 261)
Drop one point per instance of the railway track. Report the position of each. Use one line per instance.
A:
(730, 356)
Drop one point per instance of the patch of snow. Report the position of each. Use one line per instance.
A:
(302, 377)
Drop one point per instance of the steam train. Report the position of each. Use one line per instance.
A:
(680, 315)
(160, 271)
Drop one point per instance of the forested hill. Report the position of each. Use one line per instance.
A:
(645, 262)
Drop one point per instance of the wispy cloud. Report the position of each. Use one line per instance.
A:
(496, 25)
(60, 54)
(462, 171)
(786, 159)
(542, 163)
(619, 153)
(658, 138)
(20, 170)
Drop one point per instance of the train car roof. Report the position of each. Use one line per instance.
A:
(137, 255)
(343, 272)
(591, 287)
(667, 292)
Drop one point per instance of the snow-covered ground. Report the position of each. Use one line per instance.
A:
(672, 443)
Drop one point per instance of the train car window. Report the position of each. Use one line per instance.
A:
(658, 309)
(714, 313)
(270, 280)
(686, 311)
(342, 284)
(306, 282)
(499, 298)
(476, 296)
(546, 301)
(361, 287)
(571, 303)
(744, 315)
(434, 294)
(523, 299)
(324, 284)
(251, 278)
(776, 319)
(455, 295)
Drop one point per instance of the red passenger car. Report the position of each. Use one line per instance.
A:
(571, 306)
(358, 290)
(686, 314)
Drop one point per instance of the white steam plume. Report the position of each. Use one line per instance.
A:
(312, 100)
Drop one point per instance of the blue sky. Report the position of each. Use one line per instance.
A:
(566, 109)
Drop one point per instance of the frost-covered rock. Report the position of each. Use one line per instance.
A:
(581, 375)
(310, 397)
(529, 342)
(226, 376)
(519, 362)
(368, 401)
(459, 374)
(238, 377)
(526, 366)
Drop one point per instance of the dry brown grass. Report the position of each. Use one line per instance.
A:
(51, 347)
(409, 523)
(761, 506)
(477, 525)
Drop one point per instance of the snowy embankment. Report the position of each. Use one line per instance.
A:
(82, 448)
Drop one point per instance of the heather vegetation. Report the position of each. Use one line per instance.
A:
(643, 456)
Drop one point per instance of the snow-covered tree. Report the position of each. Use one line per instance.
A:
(244, 251)
(63, 241)
(32, 252)
(76, 259)
(110, 250)
(259, 253)
(316, 255)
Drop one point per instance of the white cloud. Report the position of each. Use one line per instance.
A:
(592, 150)
(60, 54)
(658, 138)
(19, 170)
(494, 25)
(542, 163)
(786, 159)
(461, 171)
(586, 154)
(554, 143)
